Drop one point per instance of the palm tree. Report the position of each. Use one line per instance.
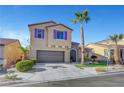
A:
(24, 51)
(116, 38)
(82, 17)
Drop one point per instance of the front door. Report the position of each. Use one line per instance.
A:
(73, 55)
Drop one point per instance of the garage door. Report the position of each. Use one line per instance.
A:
(50, 56)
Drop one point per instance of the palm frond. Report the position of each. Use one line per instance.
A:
(77, 14)
(86, 12)
(87, 19)
(81, 17)
(116, 38)
(121, 36)
(74, 21)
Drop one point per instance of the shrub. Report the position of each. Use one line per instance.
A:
(11, 75)
(86, 58)
(1, 65)
(25, 65)
(102, 61)
(34, 61)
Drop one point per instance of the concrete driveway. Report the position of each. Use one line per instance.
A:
(55, 72)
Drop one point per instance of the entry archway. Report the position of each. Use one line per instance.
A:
(73, 55)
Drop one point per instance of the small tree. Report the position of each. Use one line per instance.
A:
(24, 51)
(116, 38)
(81, 18)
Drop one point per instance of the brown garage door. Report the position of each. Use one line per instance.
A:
(50, 56)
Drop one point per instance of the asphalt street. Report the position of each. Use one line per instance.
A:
(116, 80)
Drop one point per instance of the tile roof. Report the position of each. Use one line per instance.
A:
(60, 24)
(5, 41)
(55, 24)
(75, 43)
(42, 23)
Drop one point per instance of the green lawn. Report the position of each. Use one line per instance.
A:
(90, 65)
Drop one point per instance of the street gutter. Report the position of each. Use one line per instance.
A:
(27, 82)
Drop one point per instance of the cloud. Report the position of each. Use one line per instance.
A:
(22, 37)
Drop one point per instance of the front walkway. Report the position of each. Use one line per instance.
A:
(54, 72)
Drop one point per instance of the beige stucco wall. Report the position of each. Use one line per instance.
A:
(49, 41)
(52, 41)
(98, 50)
(12, 53)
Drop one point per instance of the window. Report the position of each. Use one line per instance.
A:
(39, 33)
(121, 54)
(60, 35)
(112, 54)
(105, 52)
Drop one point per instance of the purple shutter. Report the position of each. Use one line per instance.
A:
(35, 33)
(54, 34)
(42, 34)
(65, 35)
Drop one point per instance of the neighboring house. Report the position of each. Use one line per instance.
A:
(88, 52)
(105, 49)
(50, 42)
(9, 51)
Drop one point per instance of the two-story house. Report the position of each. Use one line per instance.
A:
(50, 42)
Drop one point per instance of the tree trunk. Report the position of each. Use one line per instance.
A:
(116, 55)
(82, 44)
(24, 56)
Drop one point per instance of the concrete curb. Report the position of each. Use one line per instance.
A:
(36, 82)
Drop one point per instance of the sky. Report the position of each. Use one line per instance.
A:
(104, 21)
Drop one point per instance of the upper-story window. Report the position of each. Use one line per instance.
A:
(60, 34)
(39, 33)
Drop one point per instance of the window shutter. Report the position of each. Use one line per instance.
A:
(35, 33)
(55, 34)
(66, 35)
(42, 34)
